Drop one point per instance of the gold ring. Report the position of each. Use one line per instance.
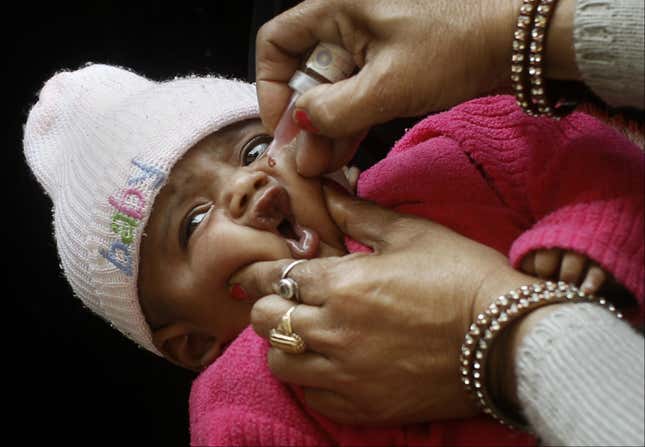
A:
(283, 337)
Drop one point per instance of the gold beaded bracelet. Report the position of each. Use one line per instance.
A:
(527, 68)
(499, 315)
(521, 44)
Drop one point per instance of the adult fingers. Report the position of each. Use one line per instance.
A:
(318, 154)
(373, 225)
(280, 46)
(261, 278)
(314, 154)
(306, 321)
(352, 173)
(372, 96)
(309, 369)
(376, 94)
(273, 97)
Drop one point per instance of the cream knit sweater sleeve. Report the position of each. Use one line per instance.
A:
(608, 40)
(580, 379)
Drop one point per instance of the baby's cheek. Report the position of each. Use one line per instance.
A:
(230, 247)
(307, 201)
(253, 246)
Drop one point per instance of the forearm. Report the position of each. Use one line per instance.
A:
(560, 54)
(599, 42)
(576, 372)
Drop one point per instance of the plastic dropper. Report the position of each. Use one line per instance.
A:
(327, 63)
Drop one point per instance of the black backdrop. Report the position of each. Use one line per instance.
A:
(71, 378)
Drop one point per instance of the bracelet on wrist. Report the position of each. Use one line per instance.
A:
(486, 328)
(521, 44)
(527, 68)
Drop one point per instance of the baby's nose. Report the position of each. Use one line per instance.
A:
(244, 187)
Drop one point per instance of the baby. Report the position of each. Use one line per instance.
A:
(162, 191)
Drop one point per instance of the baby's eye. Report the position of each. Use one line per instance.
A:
(196, 217)
(255, 149)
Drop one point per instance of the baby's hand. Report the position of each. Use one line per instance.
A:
(565, 266)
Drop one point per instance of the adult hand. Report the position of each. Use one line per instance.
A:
(383, 330)
(414, 57)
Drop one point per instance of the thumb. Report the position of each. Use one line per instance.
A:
(318, 154)
(350, 106)
(364, 221)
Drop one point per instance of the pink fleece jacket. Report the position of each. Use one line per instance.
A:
(490, 172)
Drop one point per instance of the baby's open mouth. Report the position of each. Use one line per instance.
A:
(285, 228)
(302, 241)
(272, 212)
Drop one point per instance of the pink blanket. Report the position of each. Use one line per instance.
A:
(486, 170)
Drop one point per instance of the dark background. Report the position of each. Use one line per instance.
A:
(71, 378)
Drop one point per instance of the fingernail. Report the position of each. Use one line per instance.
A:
(238, 292)
(587, 286)
(301, 117)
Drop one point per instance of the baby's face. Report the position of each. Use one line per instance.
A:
(226, 205)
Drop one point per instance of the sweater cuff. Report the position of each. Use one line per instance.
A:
(580, 378)
(615, 244)
(608, 40)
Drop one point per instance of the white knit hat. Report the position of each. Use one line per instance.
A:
(102, 140)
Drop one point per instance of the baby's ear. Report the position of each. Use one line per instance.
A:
(186, 347)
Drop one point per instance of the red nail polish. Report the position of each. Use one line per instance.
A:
(303, 121)
(238, 292)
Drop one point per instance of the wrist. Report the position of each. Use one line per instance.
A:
(492, 344)
(501, 42)
(495, 283)
(560, 62)
(502, 377)
(501, 372)
(543, 48)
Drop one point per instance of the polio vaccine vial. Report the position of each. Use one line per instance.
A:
(327, 63)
